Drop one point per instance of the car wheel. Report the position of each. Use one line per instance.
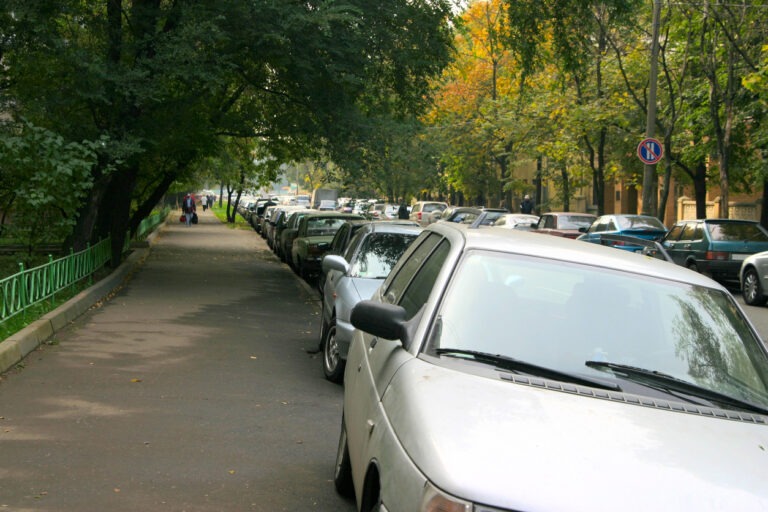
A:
(752, 291)
(691, 265)
(342, 474)
(333, 364)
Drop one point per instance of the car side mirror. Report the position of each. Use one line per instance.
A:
(335, 262)
(382, 320)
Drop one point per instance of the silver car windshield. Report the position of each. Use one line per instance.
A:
(562, 315)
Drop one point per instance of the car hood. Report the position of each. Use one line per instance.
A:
(365, 287)
(524, 447)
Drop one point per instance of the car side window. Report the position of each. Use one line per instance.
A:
(674, 233)
(405, 273)
(549, 222)
(337, 242)
(689, 232)
(417, 292)
(353, 244)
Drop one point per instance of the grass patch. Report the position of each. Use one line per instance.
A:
(34, 312)
(221, 214)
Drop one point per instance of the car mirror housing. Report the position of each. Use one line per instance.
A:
(382, 320)
(335, 262)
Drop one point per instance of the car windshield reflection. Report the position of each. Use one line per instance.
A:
(559, 315)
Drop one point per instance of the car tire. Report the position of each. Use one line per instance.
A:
(752, 291)
(333, 364)
(342, 474)
(691, 265)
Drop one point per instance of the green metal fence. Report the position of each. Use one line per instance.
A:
(31, 286)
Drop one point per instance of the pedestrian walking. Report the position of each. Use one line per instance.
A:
(204, 202)
(189, 209)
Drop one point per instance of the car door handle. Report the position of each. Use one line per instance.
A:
(374, 341)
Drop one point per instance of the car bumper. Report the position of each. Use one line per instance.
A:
(720, 270)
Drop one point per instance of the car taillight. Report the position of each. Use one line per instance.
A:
(419, 215)
(717, 255)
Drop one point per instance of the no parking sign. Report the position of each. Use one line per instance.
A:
(650, 151)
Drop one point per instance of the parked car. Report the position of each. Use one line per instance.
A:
(274, 222)
(716, 247)
(516, 221)
(352, 276)
(753, 278)
(279, 225)
(382, 211)
(258, 215)
(494, 366)
(288, 234)
(339, 244)
(313, 237)
(564, 224)
(627, 226)
(264, 221)
(468, 214)
(421, 210)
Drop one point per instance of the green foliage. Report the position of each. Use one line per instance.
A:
(45, 179)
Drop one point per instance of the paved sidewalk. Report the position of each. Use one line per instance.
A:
(190, 389)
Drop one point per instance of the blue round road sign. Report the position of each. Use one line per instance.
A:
(650, 151)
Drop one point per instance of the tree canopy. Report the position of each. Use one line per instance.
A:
(163, 84)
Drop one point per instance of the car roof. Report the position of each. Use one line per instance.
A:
(531, 244)
(718, 221)
(388, 226)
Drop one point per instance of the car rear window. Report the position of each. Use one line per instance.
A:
(736, 231)
(432, 207)
(575, 222)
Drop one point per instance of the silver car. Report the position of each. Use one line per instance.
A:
(753, 277)
(499, 370)
(355, 275)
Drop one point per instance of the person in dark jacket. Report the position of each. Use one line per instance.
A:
(188, 207)
(527, 205)
(402, 212)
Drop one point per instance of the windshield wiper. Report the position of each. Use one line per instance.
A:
(670, 384)
(516, 365)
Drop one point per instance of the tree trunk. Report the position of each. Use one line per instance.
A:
(700, 190)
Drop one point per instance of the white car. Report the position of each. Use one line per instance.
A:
(499, 370)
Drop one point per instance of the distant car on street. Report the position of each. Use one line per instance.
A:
(604, 231)
(563, 224)
(313, 238)
(421, 210)
(468, 214)
(523, 221)
(716, 247)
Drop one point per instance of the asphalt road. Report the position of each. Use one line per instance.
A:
(189, 390)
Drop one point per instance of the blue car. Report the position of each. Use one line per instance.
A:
(716, 247)
(617, 230)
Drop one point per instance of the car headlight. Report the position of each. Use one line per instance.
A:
(434, 500)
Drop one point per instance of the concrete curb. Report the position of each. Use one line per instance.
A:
(16, 347)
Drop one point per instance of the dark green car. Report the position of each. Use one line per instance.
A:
(715, 247)
(313, 239)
